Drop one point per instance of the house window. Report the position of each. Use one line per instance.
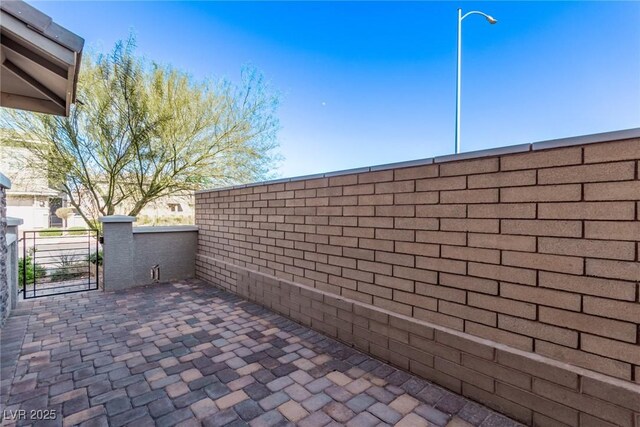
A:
(175, 207)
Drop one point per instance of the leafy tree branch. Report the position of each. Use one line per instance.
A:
(141, 131)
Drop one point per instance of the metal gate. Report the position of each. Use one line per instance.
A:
(59, 261)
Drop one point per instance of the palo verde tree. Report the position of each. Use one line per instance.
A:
(141, 130)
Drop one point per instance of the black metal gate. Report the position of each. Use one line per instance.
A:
(59, 262)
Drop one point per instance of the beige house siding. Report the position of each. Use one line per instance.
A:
(30, 193)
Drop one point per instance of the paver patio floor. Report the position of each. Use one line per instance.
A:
(188, 353)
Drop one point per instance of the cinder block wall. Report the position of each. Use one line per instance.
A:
(132, 254)
(171, 248)
(512, 277)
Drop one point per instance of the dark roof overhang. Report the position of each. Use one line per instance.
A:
(40, 60)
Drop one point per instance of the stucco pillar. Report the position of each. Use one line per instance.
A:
(12, 258)
(117, 252)
(5, 298)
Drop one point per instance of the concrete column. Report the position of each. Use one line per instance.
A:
(117, 252)
(12, 258)
(5, 298)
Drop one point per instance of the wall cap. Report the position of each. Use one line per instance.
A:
(165, 229)
(11, 239)
(490, 152)
(346, 172)
(4, 181)
(14, 222)
(588, 139)
(306, 177)
(498, 151)
(405, 164)
(117, 218)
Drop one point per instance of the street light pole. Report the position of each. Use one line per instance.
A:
(459, 68)
(458, 80)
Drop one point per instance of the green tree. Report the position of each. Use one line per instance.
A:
(142, 130)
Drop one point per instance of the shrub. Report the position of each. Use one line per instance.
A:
(67, 273)
(68, 268)
(143, 220)
(76, 231)
(96, 258)
(36, 270)
(50, 232)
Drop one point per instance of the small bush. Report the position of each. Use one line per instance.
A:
(146, 220)
(68, 272)
(76, 231)
(36, 270)
(50, 232)
(68, 268)
(96, 258)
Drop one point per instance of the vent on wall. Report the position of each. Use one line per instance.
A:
(155, 273)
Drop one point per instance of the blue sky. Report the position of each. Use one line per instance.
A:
(366, 83)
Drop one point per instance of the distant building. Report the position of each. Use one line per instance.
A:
(32, 198)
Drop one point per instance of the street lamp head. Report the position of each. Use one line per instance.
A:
(461, 17)
(489, 18)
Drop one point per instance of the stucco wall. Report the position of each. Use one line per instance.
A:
(8, 255)
(130, 252)
(174, 251)
(511, 276)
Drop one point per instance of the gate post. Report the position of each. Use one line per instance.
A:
(117, 252)
(8, 254)
(12, 259)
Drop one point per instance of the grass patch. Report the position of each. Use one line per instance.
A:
(50, 232)
(76, 231)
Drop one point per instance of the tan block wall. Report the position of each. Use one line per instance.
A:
(534, 253)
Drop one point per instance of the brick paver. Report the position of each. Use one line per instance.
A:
(190, 354)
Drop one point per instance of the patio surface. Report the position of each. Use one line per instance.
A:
(188, 353)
